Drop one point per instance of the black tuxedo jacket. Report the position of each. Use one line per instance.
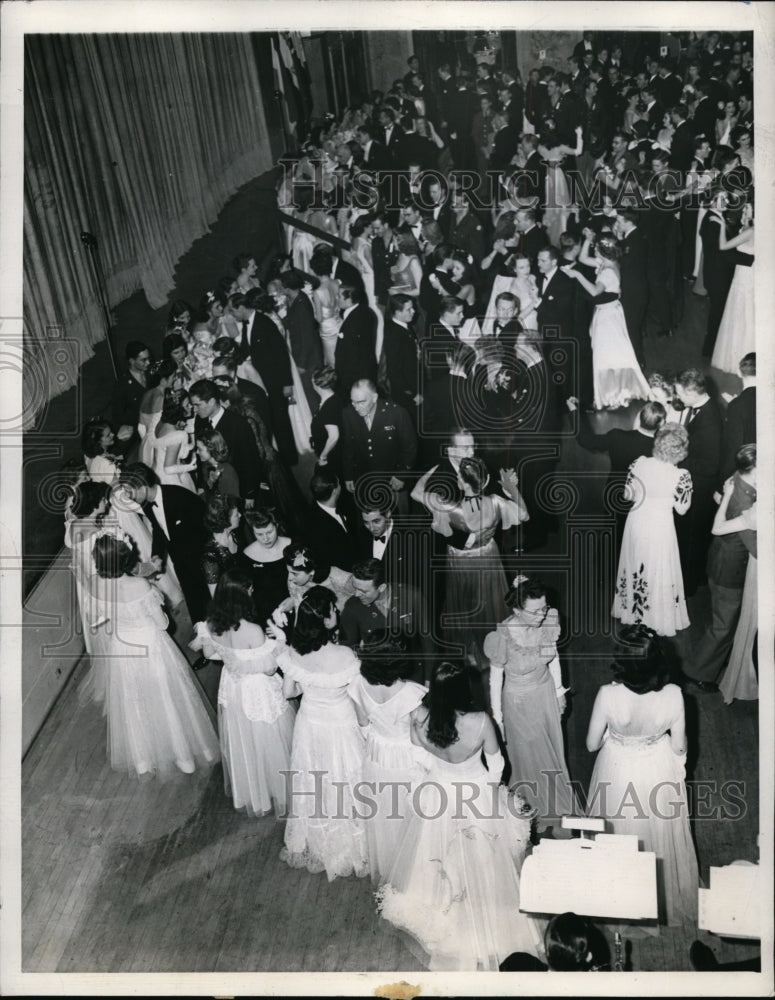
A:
(414, 148)
(556, 307)
(402, 363)
(706, 431)
(243, 451)
(504, 147)
(269, 354)
(682, 147)
(334, 544)
(355, 355)
(622, 446)
(632, 267)
(347, 274)
(399, 560)
(184, 514)
(377, 159)
(302, 328)
(704, 120)
(739, 428)
(390, 146)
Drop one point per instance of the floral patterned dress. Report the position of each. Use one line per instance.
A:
(649, 583)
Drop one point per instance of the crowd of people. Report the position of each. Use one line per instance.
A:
(333, 467)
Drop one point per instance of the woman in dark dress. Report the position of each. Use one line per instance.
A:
(265, 562)
(326, 424)
(222, 551)
(218, 474)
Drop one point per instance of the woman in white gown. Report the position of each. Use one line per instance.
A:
(157, 719)
(325, 301)
(616, 374)
(255, 721)
(454, 884)
(737, 334)
(559, 202)
(173, 454)
(649, 583)
(638, 783)
(384, 700)
(323, 831)
(160, 378)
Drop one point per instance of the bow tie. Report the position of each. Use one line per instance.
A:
(382, 538)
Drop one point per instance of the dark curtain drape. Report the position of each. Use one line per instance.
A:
(140, 140)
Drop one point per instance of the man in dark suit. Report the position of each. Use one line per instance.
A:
(327, 263)
(224, 375)
(555, 321)
(402, 354)
(460, 115)
(378, 442)
(622, 447)
(705, 113)
(634, 276)
(375, 156)
(505, 143)
(331, 525)
(654, 110)
(740, 421)
(303, 333)
(384, 538)
(580, 49)
(271, 359)
(466, 230)
(705, 424)
(236, 432)
(128, 393)
(391, 131)
(670, 86)
(682, 143)
(436, 203)
(176, 519)
(355, 354)
(413, 148)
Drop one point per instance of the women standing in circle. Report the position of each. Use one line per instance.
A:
(649, 583)
(157, 720)
(638, 783)
(222, 549)
(616, 374)
(172, 458)
(528, 699)
(454, 883)
(476, 582)
(384, 699)
(326, 427)
(218, 474)
(323, 831)
(255, 721)
(266, 562)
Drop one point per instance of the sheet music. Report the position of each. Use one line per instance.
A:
(732, 905)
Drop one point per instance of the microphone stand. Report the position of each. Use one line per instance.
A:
(90, 242)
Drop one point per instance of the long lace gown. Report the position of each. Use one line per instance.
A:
(737, 333)
(255, 724)
(616, 374)
(638, 784)
(322, 833)
(454, 884)
(157, 719)
(390, 763)
(649, 582)
(531, 715)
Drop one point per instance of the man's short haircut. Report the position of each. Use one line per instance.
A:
(652, 416)
(323, 483)
(133, 348)
(371, 570)
(693, 380)
(204, 389)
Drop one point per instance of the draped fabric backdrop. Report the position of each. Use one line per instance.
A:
(140, 140)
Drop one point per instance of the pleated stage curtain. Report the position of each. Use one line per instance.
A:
(140, 140)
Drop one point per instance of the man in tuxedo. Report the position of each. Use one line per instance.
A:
(402, 356)
(128, 394)
(583, 308)
(505, 143)
(535, 98)
(514, 104)
(460, 115)
(690, 204)
(670, 86)
(303, 333)
(355, 353)
(382, 537)
(682, 143)
(555, 317)
(224, 375)
(664, 234)
(466, 231)
(529, 238)
(622, 447)
(705, 425)
(375, 156)
(446, 394)
(654, 110)
(413, 148)
(391, 132)
(740, 420)
(382, 257)
(435, 201)
(176, 517)
(271, 359)
(705, 113)
(634, 277)
(580, 49)
(236, 432)
(378, 442)
(326, 262)
(331, 525)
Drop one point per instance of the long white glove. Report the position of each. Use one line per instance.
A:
(496, 695)
(495, 764)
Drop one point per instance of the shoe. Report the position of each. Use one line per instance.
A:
(702, 958)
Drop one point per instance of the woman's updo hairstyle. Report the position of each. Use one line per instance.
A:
(474, 473)
(115, 557)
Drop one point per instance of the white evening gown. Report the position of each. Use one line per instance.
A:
(390, 763)
(146, 428)
(322, 833)
(638, 785)
(737, 333)
(157, 719)
(255, 723)
(649, 583)
(454, 884)
(177, 440)
(616, 374)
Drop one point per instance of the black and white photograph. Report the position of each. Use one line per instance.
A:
(380, 575)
